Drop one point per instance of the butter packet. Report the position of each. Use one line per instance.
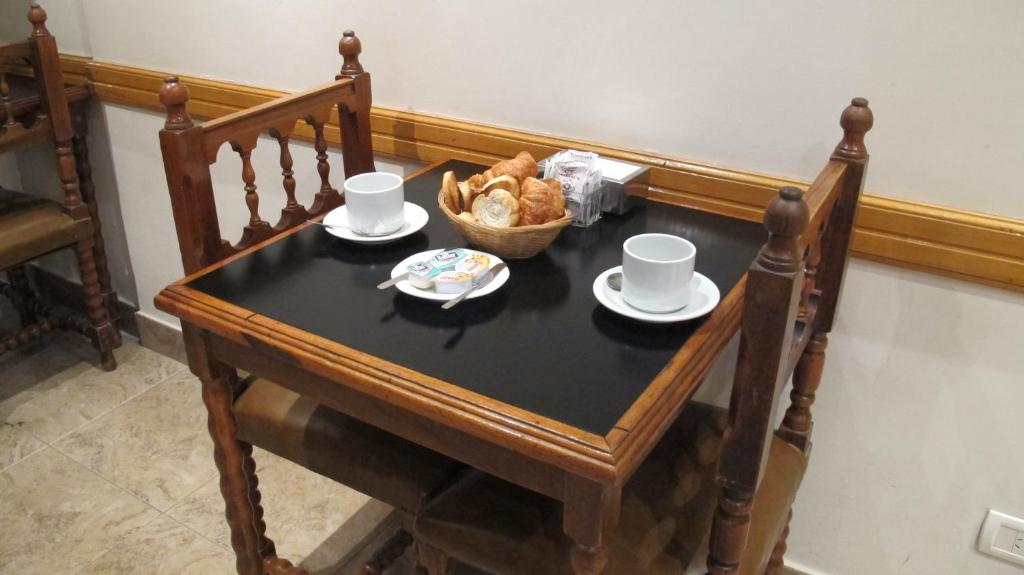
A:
(422, 274)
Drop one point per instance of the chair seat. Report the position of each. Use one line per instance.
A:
(667, 508)
(365, 458)
(31, 227)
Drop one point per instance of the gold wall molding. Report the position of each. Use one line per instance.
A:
(967, 245)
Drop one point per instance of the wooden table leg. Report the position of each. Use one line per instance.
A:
(238, 482)
(591, 511)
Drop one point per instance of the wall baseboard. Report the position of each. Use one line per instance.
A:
(161, 337)
(967, 245)
(68, 293)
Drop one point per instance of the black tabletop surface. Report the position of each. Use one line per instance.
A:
(542, 342)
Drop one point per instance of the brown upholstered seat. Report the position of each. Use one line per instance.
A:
(31, 227)
(379, 464)
(666, 515)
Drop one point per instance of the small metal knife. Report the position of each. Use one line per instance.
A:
(392, 281)
(485, 279)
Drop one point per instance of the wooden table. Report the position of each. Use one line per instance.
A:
(536, 383)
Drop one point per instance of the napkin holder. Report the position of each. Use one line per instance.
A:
(616, 177)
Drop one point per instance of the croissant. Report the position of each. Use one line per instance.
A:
(539, 203)
(506, 182)
(521, 167)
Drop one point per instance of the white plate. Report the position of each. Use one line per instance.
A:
(703, 299)
(415, 218)
(405, 287)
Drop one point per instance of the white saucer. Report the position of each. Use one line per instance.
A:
(405, 287)
(704, 298)
(415, 218)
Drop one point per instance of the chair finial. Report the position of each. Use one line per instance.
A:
(786, 218)
(350, 47)
(856, 120)
(174, 96)
(37, 16)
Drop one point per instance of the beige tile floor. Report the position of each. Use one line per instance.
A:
(113, 473)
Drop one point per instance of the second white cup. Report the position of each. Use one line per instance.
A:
(375, 203)
(657, 270)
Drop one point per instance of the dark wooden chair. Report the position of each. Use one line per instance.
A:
(257, 411)
(35, 108)
(715, 493)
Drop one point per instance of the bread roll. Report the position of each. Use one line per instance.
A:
(468, 216)
(521, 167)
(506, 182)
(499, 209)
(452, 196)
(539, 203)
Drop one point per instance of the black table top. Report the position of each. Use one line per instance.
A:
(541, 342)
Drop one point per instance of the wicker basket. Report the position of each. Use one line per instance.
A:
(516, 243)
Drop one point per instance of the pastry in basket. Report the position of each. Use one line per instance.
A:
(540, 202)
(450, 190)
(499, 209)
(505, 210)
(521, 167)
(506, 182)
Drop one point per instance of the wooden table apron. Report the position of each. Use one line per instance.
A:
(583, 469)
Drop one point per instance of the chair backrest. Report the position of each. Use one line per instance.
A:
(189, 149)
(792, 294)
(23, 123)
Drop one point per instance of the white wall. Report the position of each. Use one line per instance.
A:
(65, 20)
(757, 85)
(917, 428)
(917, 421)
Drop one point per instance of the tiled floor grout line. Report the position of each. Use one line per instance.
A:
(97, 474)
(201, 536)
(112, 409)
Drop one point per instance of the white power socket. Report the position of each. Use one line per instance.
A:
(1002, 536)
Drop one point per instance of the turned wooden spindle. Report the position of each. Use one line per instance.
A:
(279, 566)
(775, 562)
(87, 189)
(350, 47)
(811, 261)
(5, 94)
(328, 197)
(287, 174)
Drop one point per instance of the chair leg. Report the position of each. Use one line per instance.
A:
(386, 556)
(433, 561)
(238, 482)
(776, 563)
(87, 190)
(104, 334)
(23, 295)
(729, 531)
(797, 425)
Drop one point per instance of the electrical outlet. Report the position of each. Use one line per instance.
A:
(1002, 536)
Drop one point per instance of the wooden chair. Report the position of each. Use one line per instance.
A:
(258, 411)
(36, 108)
(715, 493)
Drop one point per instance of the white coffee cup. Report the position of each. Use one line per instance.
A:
(657, 270)
(375, 202)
